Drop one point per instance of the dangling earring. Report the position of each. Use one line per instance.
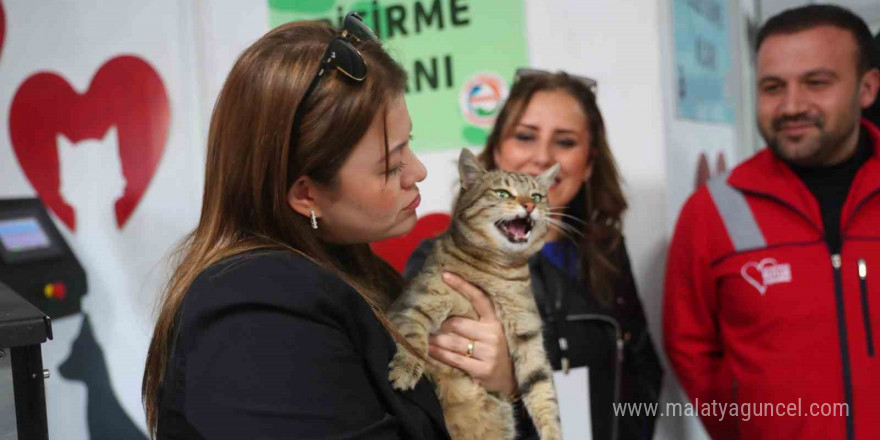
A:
(314, 219)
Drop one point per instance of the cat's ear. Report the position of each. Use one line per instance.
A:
(547, 177)
(469, 168)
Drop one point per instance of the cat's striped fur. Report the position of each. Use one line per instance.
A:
(476, 248)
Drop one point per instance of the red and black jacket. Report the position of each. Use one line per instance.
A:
(758, 310)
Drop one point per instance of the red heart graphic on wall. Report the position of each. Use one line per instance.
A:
(126, 92)
(398, 249)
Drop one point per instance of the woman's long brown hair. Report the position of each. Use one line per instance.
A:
(600, 204)
(252, 162)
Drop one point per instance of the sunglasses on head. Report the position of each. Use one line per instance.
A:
(591, 83)
(342, 56)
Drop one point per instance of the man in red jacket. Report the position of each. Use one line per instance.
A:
(772, 302)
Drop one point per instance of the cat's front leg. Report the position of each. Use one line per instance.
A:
(405, 369)
(535, 377)
(415, 323)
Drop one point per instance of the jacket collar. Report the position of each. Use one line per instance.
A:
(766, 175)
(867, 182)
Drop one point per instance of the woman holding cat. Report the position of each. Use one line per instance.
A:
(273, 324)
(581, 279)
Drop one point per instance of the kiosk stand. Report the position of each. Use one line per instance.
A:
(22, 393)
(39, 276)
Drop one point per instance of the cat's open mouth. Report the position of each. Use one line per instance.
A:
(516, 230)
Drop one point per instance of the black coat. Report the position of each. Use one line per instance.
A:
(270, 346)
(593, 333)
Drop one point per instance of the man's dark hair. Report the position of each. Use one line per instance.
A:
(807, 17)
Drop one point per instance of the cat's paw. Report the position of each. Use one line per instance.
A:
(551, 433)
(405, 370)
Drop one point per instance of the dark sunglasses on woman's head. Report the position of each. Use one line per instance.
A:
(342, 56)
(591, 83)
(354, 27)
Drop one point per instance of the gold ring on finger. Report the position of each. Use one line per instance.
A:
(470, 348)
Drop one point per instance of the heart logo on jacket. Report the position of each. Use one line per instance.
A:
(765, 273)
(126, 93)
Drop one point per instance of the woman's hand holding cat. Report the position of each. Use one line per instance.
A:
(489, 362)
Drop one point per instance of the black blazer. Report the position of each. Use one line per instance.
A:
(270, 346)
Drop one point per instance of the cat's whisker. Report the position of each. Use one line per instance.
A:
(564, 228)
(562, 223)
(567, 235)
(568, 216)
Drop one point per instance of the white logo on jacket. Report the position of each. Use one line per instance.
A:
(766, 273)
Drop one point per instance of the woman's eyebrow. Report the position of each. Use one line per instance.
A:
(396, 149)
(555, 131)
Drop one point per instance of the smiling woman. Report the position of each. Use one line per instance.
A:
(581, 278)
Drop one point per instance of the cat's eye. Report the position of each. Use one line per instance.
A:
(537, 198)
(503, 194)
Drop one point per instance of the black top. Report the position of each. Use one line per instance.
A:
(592, 331)
(270, 346)
(830, 185)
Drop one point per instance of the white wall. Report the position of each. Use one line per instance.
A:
(73, 39)
(685, 141)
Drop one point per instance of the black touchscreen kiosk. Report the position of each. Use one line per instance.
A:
(36, 262)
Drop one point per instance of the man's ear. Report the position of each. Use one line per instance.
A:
(870, 85)
(301, 197)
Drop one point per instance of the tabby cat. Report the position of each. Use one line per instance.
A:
(499, 221)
